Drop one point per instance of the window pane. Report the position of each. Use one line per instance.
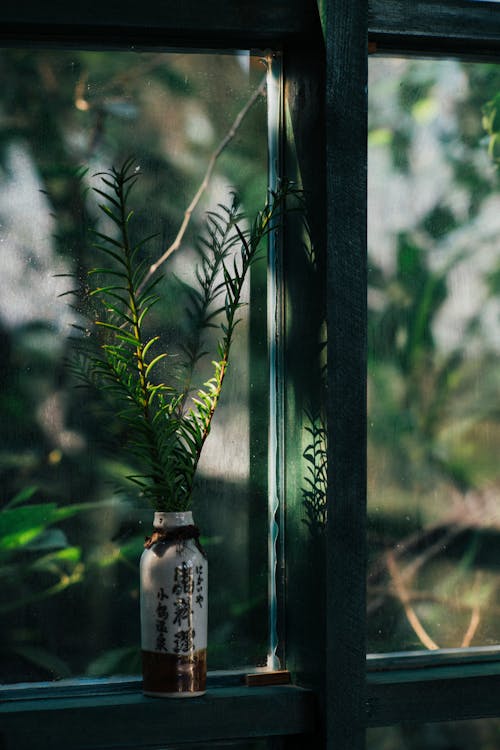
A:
(459, 735)
(434, 343)
(69, 574)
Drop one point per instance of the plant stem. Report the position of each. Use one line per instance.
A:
(134, 309)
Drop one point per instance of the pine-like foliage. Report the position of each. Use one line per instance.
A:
(167, 424)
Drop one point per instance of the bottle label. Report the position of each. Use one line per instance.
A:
(174, 599)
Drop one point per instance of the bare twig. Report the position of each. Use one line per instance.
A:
(204, 183)
(447, 529)
(473, 626)
(379, 594)
(433, 550)
(83, 104)
(475, 618)
(405, 599)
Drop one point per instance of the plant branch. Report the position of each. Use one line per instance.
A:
(204, 183)
(475, 621)
(405, 600)
(446, 533)
(475, 618)
(431, 551)
(165, 441)
(380, 594)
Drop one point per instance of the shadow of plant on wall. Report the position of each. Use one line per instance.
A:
(314, 489)
(314, 482)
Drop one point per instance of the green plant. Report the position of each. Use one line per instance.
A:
(37, 562)
(167, 423)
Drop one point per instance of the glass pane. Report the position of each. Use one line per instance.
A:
(72, 526)
(453, 735)
(434, 343)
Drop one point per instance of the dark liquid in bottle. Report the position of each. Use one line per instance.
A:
(174, 673)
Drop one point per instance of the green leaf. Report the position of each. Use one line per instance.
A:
(107, 197)
(109, 239)
(110, 271)
(56, 667)
(153, 363)
(120, 333)
(19, 526)
(145, 310)
(119, 313)
(494, 147)
(21, 497)
(111, 253)
(140, 244)
(125, 660)
(161, 443)
(149, 345)
(104, 289)
(106, 209)
(71, 555)
(48, 539)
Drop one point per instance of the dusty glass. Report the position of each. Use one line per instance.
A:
(433, 362)
(71, 526)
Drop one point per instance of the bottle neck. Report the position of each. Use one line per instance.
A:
(174, 520)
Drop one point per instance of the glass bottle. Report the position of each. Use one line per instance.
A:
(173, 574)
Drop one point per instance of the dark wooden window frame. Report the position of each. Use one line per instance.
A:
(336, 693)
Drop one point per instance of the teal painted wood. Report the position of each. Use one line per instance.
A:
(450, 657)
(452, 25)
(215, 21)
(130, 720)
(441, 693)
(218, 20)
(304, 316)
(346, 118)
(304, 264)
(442, 685)
(433, 672)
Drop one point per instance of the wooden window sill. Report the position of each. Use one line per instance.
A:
(84, 717)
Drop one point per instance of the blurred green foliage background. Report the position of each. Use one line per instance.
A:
(434, 343)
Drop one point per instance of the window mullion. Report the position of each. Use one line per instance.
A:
(346, 126)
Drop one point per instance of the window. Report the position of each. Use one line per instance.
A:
(337, 694)
(171, 110)
(433, 355)
(231, 710)
(463, 45)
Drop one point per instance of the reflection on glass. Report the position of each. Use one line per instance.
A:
(68, 574)
(434, 343)
(453, 735)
